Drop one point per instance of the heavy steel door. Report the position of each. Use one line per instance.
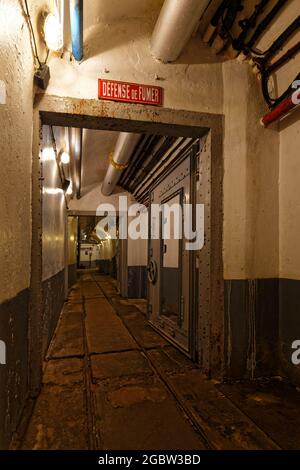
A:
(169, 262)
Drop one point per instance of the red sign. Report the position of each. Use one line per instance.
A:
(130, 92)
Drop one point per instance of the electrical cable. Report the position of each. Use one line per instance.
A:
(263, 57)
(249, 23)
(32, 33)
(228, 18)
(264, 23)
(219, 13)
(290, 54)
(228, 32)
(269, 54)
(36, 55)
(273, 102)
(282, 39)
(256, 52)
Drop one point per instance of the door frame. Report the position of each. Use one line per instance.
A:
(96, 114)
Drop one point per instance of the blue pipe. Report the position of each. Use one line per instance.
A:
(76, 19)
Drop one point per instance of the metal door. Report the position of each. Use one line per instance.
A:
(169, 262)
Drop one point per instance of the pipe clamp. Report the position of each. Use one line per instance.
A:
(117, 166)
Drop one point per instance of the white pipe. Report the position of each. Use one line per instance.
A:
(177, 21)
(124, 149)
(75, 142)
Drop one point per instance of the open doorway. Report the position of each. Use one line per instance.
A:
(184, 289)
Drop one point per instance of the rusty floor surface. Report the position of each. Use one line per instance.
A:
(111, 382)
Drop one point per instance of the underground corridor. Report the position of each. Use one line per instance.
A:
(131, 389)
(149, 239)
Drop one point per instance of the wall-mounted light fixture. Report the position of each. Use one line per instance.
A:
(53, 32)
(65, 158)
(48, 154)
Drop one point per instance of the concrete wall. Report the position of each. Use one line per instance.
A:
(251, 157)
(137, 260)
(53, 242)
(261, 228)
(16, 117)
(107, 249)
(288, 287)
(107, 257)
(72, 250)
(251, 228)
(89, 255)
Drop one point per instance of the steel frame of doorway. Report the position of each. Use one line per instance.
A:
(94, 114)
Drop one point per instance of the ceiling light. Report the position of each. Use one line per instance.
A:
(65, 158)
(53, 32)
(52, 191)
(48, 154)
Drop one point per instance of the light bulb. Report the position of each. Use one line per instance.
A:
(48, 154)
(65, 158)
(53, 32)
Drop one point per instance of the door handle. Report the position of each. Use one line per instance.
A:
(152, 271)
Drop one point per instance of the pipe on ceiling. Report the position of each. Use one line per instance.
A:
(265, 23)
(177, 22)
(119, 160)
(76, 20)
(75, 143)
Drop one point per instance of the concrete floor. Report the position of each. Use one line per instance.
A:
(111, 382)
